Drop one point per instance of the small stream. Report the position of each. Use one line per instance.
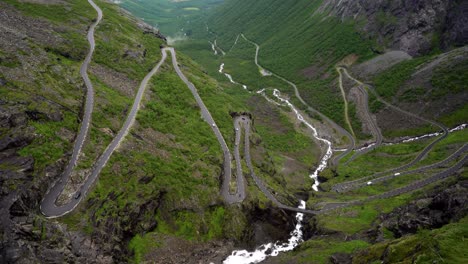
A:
(273, 249)
(270, 249)
(411, 139)
(231, 80)
(328, 154)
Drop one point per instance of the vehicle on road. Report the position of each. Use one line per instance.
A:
(397, 174)
(369, 183)
(77, 195)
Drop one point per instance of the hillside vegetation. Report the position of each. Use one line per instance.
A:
(169, 16)
(158, 198)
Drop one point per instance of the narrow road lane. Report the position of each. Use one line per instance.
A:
(364, 182)
(55, 191)
(344, 185)
(337, 127)
(245, 121)
(48, 206)
(345, 100)
(239, 196)
(375, 130)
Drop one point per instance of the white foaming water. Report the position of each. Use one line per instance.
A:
(460, 127)
(457, 128)
(217, 47)
(231, 80)
(268, 99)
(328, 154)
(213, 48)
(366, 147)
(229, 77)
(270, 249)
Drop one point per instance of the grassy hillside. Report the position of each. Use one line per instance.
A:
(170, 160)
(296, 42)
(163, 183)
(159, 192)
(169, 16)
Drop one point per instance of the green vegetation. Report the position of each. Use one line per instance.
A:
(319, 251)
(123, 47)
(454, 118)
(141, 245)
(51, 146)
(163, 181)
(305, 54)
(449, 80)
(169, 16)
(172, 160)
(289, 141)
(387, 157)
(388, 83)
(447, 244)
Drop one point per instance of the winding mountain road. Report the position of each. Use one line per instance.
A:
(363, 100)
(363, 182)
(375, 130)
(405, 189)
(343, 94)
(48, 207)
(337, 127)
(239, 196)
(245, 123)
(342, 186)
(411, 187)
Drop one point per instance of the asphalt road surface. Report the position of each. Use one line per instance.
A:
(337, 127)
(244, 122)
(48, 205)
(239, 196)
(344, 185)
(363, 183)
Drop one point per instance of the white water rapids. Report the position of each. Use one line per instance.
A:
(273, 249)
(215, 52)
(411, 139)
(270, 249)
(328, 154)
(231, 80)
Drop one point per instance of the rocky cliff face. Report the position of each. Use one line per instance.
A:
(26, 236)
(415, 26)
(434, 211)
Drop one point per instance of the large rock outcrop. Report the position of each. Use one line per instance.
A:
(415, 26)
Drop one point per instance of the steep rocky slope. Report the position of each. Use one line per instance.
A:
(416, 27)
(158, 198)
(160, 189)
(304, 41)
